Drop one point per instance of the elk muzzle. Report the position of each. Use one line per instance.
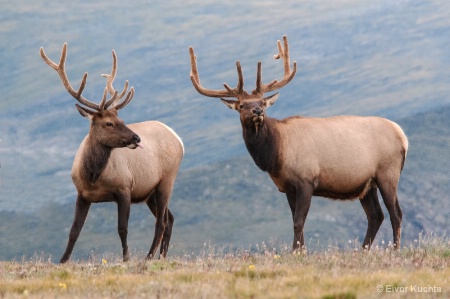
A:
(258, 115)
(135, 142)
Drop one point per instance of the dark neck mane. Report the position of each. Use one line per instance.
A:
(94, 160)
(263, 144)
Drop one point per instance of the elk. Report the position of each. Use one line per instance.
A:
(109, 168)
(340, 157)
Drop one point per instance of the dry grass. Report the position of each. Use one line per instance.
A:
(420, 270)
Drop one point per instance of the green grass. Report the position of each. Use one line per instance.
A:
(416, 271)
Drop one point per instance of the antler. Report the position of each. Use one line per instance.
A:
(288, 74)
(60, 69)
(109, 86)
(239, 89)
(227, 92)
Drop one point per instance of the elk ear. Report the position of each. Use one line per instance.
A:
(85, 112)
(230, 103)
(270, 100)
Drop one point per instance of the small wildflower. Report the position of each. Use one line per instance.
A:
(104, 262)
(252, 267)
(276, 257)
(62, 285)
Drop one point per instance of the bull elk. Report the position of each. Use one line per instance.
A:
(341, 157)
(106, 167)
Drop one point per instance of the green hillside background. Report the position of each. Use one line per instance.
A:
(382, 58)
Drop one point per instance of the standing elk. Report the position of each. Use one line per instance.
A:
(341, 157)
(105, 168)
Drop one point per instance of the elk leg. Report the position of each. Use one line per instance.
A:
(374, 213)
(389, 194)
(81, 211)
(291, 197)
(123, 210)
(167, 233)
(162, 196)
(302, 204)
(169, 220)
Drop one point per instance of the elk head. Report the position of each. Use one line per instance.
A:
(106, 126)
(251, 107)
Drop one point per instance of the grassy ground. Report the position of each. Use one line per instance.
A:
(418, 270)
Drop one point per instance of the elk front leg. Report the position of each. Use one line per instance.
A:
(123, 209)
(81, 211)
(292, 198)
(302, 203)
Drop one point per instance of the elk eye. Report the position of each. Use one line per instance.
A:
(109, 124)
(241, 106)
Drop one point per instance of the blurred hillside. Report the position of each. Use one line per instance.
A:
(385, 58)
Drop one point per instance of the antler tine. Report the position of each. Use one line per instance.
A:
(228, 92)
(113, 100)
(110, 78)
(194, 70)
(103, 102)
(288, 74)
(126, 101)
(60, 69)
(259, 84)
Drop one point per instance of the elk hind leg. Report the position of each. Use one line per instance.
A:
(167, 233)
(374, 213)
(81, 211)
(162, 195)
(169, 221)
(388, 189)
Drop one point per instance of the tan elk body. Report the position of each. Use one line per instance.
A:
(341, 157)
(124, 164)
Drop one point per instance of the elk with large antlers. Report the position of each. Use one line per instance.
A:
(105, 169)
(341, 157)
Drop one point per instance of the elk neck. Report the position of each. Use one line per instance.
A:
(94, 160)
(263, 142)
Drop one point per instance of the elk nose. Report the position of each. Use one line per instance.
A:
(136, 138)
(258, 111)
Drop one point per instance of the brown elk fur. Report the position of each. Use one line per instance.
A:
(341, 157)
